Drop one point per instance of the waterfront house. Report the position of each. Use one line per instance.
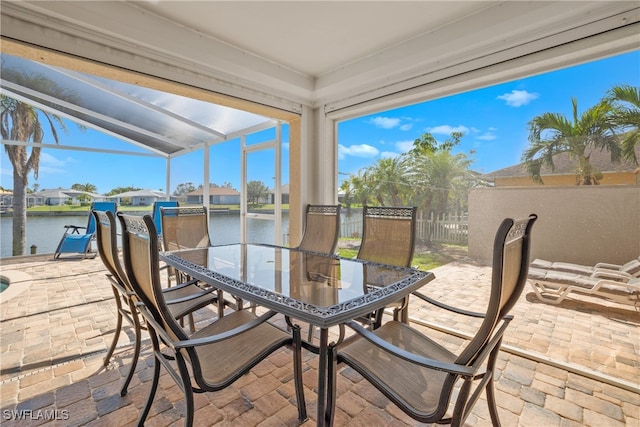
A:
(138, 197)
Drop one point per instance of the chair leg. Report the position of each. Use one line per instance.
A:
(312, 329)
(490, 390)
(332, 367)
(136, 349)
(116, 335)
(188, 390)
(192, 323)
(491, 401)
(297, 373)
(154, 383)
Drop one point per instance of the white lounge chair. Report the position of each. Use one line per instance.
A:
(618, 272)
(554, 286)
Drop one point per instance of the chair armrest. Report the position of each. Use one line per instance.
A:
(118, 286)
(75, 228)
(225, 335)
(190, 297)
(466, 371)
(181, 285)
(448, 307)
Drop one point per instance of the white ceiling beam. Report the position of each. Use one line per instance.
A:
(509, 30)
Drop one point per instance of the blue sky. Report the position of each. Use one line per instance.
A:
(493, 121)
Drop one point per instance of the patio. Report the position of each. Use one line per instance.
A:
(554, 370)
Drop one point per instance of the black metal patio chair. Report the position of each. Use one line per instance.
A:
(212, 358)
(418, 373)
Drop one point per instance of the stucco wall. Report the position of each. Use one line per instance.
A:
(577, 224)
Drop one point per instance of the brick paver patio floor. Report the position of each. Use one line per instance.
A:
(577, 363)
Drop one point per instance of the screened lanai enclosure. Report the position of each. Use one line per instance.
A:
(170, 77)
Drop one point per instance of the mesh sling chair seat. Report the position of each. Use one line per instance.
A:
(181, 300)
(73, 241)
(419, 374)
(388, 237)
(187, 227)
(322, 228)
(321, 232)
(215, 356)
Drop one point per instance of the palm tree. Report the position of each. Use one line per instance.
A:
(438, 179)
(626, 115)
(21, 122)
(363, 186)
(390, 182)
(553, 133)
(88, 188)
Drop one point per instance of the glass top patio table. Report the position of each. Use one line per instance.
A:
(323, 290)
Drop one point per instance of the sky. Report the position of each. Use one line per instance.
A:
(493, 120)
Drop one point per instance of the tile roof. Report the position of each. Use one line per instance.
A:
(601, 160)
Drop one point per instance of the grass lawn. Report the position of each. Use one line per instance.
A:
(424, 260)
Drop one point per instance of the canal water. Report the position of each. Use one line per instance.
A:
(45, 231)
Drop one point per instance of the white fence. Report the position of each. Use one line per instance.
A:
(447, 228)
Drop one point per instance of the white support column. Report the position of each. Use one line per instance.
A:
(167, 183)
(206, 173)
(328, 160)
(278, 186)
(243, 189)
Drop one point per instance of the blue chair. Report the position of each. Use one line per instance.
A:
(75, 242)
(157, 220)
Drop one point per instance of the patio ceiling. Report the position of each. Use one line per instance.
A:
(293, 53)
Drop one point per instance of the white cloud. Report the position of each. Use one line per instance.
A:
(389, 154)
(407, 126)
(518, 98)
(404, 146)
(51, 164)
(487, 136)
(361, 150)
(447, 129)
(384, 122)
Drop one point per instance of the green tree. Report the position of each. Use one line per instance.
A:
(625, 100)
(438, 179)
(22, 122)
(184, 188)
(88, 188)
(119, 190)
(347, 191)
(256, 192)
(553, 133)
(363, 186)
(389, 181)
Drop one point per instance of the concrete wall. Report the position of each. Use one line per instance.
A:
(581, 224)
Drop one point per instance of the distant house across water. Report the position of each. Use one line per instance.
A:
(138, 197)
(217, 196)
(61, 196)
